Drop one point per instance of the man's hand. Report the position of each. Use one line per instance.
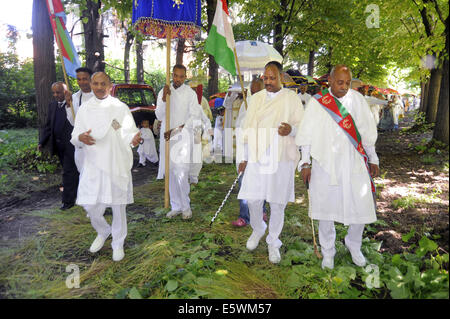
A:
(242, 167)
(284, 129)
(176, 130)
(306, 173)
(374, 170)
(86, 138)
(165, 92)
(136, 139)
(68, 98)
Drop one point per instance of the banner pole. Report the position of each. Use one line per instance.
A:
(167, 148)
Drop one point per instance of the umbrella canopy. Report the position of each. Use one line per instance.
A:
(254, 55)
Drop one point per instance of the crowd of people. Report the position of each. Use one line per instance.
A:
(268, 131)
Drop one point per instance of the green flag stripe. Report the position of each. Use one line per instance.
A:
(217, 46)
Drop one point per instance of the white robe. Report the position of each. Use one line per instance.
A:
(375, 107)
(78, 99)
(182, 100)
(340, 188)
(147, 150)
(106, 175)
(305, 98)
(271, 176)
(218, 135)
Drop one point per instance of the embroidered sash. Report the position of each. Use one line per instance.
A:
(343, 118)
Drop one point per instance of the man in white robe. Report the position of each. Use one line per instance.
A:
(270, 157)
(219, 134)
(303, 95)
(339, 182)
(105, 129)
(83, 95)
(375, 105)
(201, 128)
(232, 104)
(183, 105)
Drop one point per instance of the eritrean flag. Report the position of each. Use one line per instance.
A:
(64, 41)
(220, 42)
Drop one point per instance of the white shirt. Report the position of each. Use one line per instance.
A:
(78, 98)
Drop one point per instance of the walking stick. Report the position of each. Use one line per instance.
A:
(316, 251)
(225, 199)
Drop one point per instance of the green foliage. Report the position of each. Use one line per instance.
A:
(18, 151)
(406, 202)
(17, 94)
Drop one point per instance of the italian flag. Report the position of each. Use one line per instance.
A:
(220, 41)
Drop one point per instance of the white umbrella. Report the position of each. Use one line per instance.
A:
(254, 55)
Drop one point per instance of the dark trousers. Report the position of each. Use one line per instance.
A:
(70, 176)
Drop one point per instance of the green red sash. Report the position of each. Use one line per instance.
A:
(343, 118)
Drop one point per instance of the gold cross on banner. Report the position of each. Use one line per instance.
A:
(177, 3)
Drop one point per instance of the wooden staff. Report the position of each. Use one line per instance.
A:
(166, 175)
(64, 72)
(240, 78)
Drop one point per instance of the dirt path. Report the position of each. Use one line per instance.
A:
(16, 225)
(423, 188)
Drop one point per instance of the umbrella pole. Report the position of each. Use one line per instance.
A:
(167, 148)
(240, 78)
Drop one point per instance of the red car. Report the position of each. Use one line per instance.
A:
(140, 98)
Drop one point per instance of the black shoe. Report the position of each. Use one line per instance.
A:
(140, 165)
(66, 206)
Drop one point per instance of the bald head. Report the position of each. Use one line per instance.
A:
(272, 76)
(340, 80)
(101, 85)
(58, 90)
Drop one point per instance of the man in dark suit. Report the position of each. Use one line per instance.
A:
(57, 133)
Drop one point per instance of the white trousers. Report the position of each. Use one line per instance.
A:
(276, 221)
(179, 187)
(327, 237)
(118, 229)
(150, 157)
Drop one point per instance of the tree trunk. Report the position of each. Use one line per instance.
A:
(180, 50)
(213, 81)
(422, 93)
(43, 58)
(441, 128)
(311, 62)
(424, 99)
(93, 36)
(139, 61)
(433, 95)
(126, 57)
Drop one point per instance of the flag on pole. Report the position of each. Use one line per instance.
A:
(220, 41)
(58, 22)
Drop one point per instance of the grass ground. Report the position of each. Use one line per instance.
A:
(174, 258)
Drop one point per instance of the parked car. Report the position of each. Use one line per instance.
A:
(140, 98)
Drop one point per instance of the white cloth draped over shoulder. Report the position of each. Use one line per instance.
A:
(184, 107)
(272, 158)
(106, 175)
(340, 185)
